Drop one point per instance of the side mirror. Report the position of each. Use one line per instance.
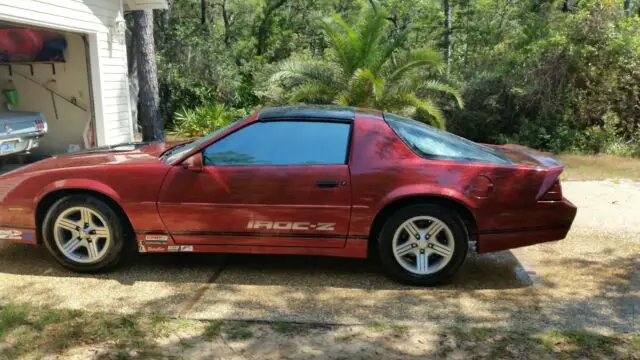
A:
(194, 163)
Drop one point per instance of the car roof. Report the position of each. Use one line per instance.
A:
(310, 112)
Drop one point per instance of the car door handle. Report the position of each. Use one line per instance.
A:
(327, 183)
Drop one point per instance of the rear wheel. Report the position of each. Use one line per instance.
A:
(84, 234)
(423, 244)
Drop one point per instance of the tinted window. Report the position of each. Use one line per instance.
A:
(282, 143)
(434, 143)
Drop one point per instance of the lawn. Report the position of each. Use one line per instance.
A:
(32, 332)
(599, 167)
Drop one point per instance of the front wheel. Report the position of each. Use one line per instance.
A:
(84, 234)
(423, 244)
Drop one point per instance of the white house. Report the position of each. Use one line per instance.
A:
(84, 95)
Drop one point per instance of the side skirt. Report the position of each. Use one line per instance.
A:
(354, 248)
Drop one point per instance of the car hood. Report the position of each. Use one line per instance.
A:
(132, 153)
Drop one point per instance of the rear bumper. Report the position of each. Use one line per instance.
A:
(560, 216)
(23, 143)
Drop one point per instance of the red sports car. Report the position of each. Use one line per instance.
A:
(306, 180)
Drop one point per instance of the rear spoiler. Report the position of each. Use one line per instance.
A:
(545, 162)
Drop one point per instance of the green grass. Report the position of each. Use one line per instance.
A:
(213, 329)
(35, 332)
(239, 331)
(559, 344)
(384, 325)
(282, 327)
(12, 316)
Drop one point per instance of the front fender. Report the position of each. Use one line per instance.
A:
(83, 184)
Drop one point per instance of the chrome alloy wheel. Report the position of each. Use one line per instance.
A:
(82, 235)
(423, 245)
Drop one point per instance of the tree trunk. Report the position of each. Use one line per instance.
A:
(203, 12)
(152, 127)
(132, 62)
(262, 33)
(447, 42)
(627, 7)
(227, 23)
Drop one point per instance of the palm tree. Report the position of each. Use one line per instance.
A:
(365, 68)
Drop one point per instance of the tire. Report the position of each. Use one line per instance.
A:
(105, 236)
(441, 257)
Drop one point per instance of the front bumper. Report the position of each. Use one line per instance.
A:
(553, 222)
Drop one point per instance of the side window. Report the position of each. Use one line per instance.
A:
(282, 143)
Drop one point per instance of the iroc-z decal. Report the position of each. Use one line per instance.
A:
(290, 225)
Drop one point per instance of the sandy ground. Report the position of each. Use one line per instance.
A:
(590, 280)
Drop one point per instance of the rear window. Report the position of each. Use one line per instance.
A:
(433, 143)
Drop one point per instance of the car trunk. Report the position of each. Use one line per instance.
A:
(542, 163)
(20, 123)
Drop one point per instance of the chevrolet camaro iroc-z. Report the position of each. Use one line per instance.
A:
(306, 180)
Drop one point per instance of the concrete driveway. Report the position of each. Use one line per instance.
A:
(590, 280)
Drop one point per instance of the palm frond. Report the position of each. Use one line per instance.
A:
(312, 92)
(416, 59)
(369, 34)
(293, 73)
(385, 52)
(343, 40)
(370, 83)
(428, 107)
(438, 86)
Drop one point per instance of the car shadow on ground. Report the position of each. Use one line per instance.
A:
(488, 271)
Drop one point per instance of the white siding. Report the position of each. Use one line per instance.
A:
(108, 66)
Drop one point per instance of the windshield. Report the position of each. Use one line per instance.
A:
(178, 151)
(433, 143)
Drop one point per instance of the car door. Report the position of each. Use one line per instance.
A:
(271, 183)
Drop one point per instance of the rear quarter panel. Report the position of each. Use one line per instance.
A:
(384, 170)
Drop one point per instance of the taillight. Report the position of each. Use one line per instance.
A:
(554, 193)
(39, 125)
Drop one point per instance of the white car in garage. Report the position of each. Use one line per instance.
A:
(20, 131)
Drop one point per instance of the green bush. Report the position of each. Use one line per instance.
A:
(203, 120)
(553, 80)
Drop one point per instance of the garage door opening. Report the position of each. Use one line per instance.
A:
(44, 73)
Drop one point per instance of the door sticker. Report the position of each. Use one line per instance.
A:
(289, 225)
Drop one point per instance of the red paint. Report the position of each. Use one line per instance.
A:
(211, 208)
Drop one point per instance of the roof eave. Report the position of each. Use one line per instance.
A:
(131, 5)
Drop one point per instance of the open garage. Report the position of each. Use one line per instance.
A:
(64, 62)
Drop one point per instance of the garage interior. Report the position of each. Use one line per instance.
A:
(49, 74)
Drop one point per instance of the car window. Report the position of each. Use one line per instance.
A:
(178, 151)
(433, 143)
(282, 143)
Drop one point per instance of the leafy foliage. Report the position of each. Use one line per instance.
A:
(558, 75)
(205, 119)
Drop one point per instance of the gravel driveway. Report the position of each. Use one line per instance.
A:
(590, 280)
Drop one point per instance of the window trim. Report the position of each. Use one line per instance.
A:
(270, 120)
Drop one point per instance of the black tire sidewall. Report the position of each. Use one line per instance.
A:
(113, 223)
(449, 217)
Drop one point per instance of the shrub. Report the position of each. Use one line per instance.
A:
(205, 119)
